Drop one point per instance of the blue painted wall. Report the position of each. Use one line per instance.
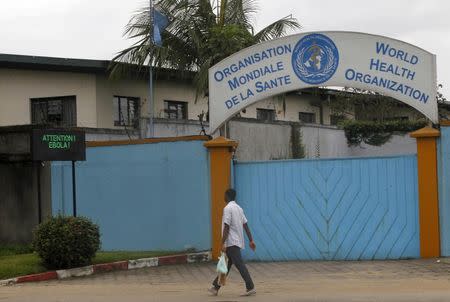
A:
(364, 208)
(444, 189)
(144, 197)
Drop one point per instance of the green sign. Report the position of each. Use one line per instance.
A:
(54, 144)
(59, 141)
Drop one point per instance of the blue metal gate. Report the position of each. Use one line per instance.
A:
(331, 209)
(444, 189)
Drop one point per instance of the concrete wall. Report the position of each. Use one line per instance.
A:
(163, 128)
(17, 87)
(144, 197)
(266, 141)
(397, 145)
(261, 141)
(15, 143)
(169, 128)
(324, 142)
(19, 201)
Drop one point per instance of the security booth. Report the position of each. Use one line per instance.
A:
(25, 175)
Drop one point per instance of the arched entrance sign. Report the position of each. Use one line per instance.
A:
(348, 59)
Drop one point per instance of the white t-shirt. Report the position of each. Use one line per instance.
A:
(233, 215)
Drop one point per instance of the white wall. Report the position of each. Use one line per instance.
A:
(294, 105)
(397, 145)
(178, 91)
(163, 90)
(167, 128)
(17, 87)
(324, 142)
(266, 141)
(261, 141)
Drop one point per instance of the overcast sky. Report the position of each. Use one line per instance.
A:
(92, 29)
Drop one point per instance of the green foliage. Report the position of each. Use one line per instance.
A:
(27, 264)
(66, 242)
(376, 133)
(15, 249)
(365, 104)
(226, 40)
(196, 38)
(439, 96)
(19, 265)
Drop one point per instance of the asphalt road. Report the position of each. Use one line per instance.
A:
(409, 280)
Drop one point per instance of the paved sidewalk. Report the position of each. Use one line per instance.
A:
(411, 280)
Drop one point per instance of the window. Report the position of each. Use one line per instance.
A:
(126, 111)
(265, 114)
(175, 110)
(54, 111)
(307, 117)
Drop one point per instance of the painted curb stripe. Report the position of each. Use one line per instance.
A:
(198, 257)
(37, 277)
(168, 260)
(75, 272)
(7, 282)
(107, 267)
(144, 262)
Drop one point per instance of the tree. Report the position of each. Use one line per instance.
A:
(441, 99)
(443, 105)
(366, 104)
(199, 35)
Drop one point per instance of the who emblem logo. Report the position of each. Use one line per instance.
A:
(315, 59)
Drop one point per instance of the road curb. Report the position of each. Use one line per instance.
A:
(144, 262)
(108, 267)
(75, 272)
(37, 277)
(6, 282)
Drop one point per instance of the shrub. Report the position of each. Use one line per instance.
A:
(66, 242)
(377, 133)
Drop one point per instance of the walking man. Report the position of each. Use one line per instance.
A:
(234, 223)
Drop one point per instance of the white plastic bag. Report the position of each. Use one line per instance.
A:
(222, 269)
(222, 265)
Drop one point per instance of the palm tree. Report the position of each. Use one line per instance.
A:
(196, 37)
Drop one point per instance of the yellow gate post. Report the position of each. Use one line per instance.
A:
(428, 191)
(220, 154)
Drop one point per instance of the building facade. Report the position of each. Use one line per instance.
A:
(80, 93)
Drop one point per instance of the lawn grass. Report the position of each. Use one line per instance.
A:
(15, 249)
(19, 265)
(25, 264)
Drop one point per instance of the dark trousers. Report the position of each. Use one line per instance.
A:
(234, 257)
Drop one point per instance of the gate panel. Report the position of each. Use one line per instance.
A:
(444, 189)
(143, 196)
(352, 209)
